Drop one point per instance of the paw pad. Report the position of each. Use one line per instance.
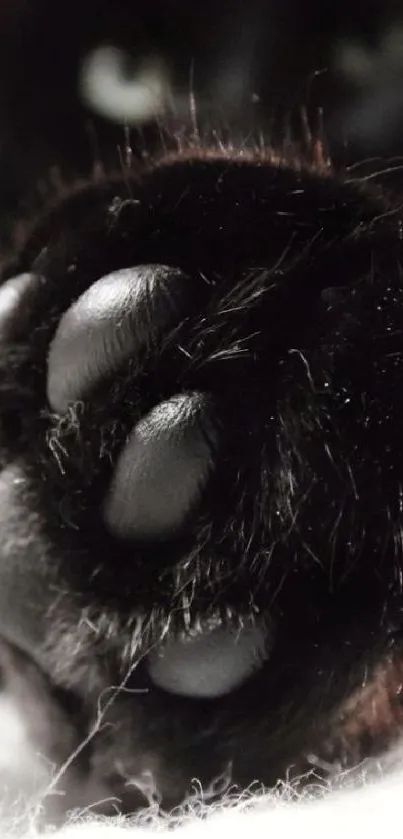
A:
(119, 317)
(162, 469)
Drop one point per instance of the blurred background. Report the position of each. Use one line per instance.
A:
(73, 73)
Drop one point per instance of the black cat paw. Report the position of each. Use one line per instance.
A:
(198, 377)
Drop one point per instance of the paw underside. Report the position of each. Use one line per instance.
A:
(177, 380)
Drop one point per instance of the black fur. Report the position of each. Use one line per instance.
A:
(288, 326)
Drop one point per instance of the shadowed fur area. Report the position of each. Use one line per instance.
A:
(201, 486)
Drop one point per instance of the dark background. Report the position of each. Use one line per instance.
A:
(248, 64)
